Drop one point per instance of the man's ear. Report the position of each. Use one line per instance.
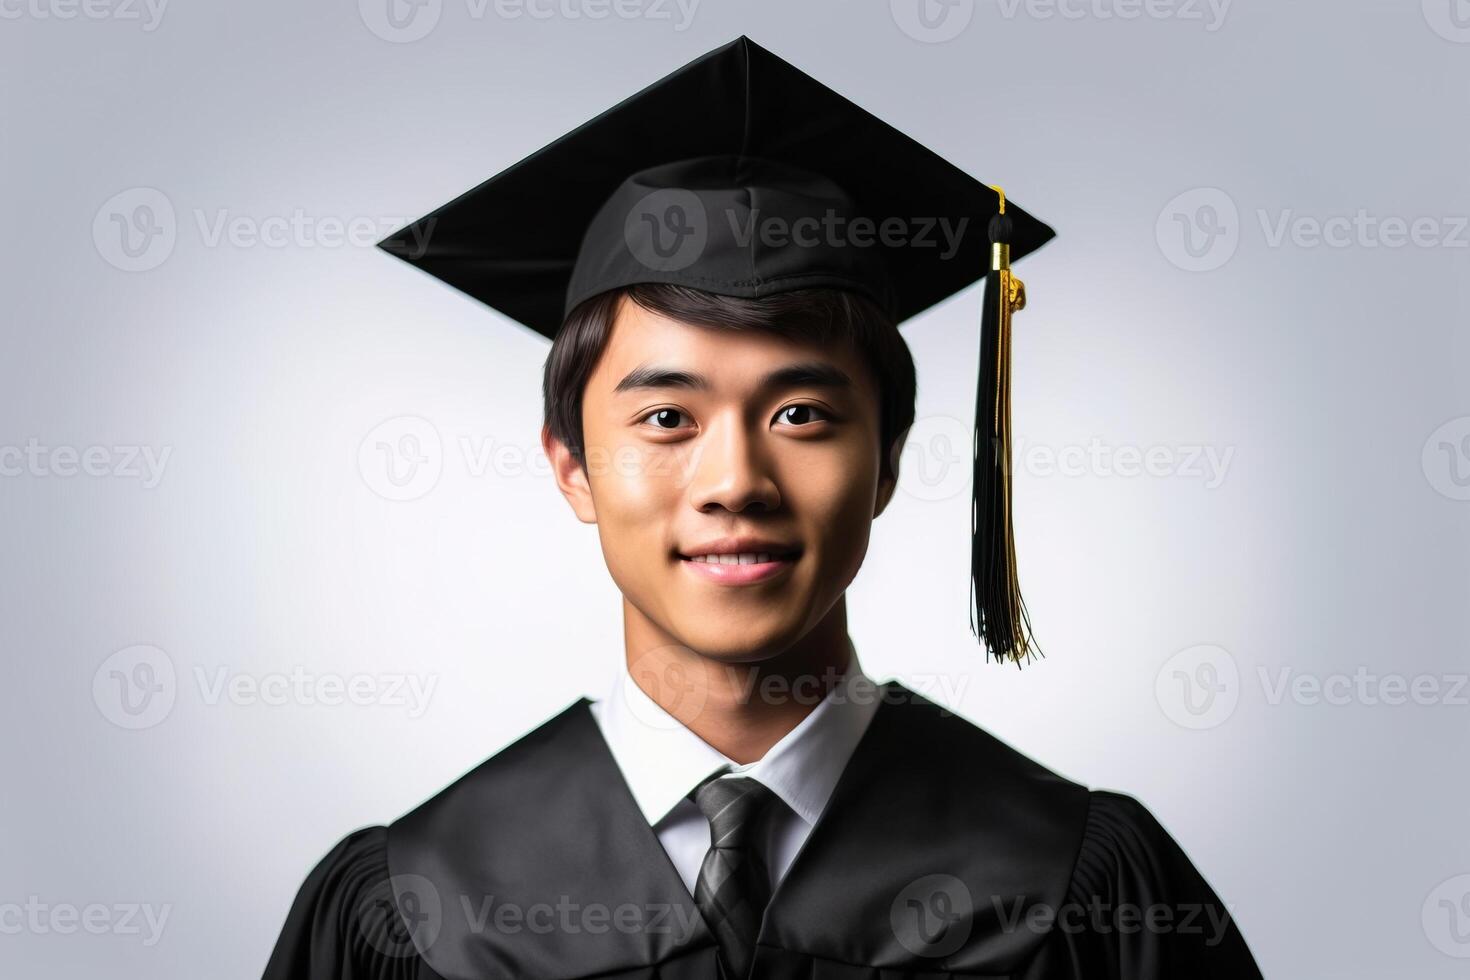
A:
(571, 476)
(889, 483)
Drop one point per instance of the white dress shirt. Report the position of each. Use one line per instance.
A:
(662, 761)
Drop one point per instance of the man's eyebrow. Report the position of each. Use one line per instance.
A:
(650, 376)
(806, 374)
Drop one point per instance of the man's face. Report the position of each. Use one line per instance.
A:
(703, 441)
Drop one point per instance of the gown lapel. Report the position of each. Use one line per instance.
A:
(937, 840)
(547, 836)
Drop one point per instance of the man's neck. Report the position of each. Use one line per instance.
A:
(741, 709)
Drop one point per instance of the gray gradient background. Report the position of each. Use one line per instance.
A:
(1337, 378)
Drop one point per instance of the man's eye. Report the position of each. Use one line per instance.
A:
(664, 418)
(801, 414)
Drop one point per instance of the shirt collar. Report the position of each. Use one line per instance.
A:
(662, 761)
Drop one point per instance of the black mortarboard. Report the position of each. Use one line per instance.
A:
(740, 174)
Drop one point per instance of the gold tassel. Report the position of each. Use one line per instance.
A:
(1003, 622)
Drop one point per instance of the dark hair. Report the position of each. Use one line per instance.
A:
(817, 316)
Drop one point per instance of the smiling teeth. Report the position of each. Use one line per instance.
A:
(744, 558)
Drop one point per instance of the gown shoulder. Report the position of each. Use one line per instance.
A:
(1136, 907)
(343, 923)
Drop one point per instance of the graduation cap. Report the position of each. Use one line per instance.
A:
(741, 175)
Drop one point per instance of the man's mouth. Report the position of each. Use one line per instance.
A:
(739, 562)
(742, 558)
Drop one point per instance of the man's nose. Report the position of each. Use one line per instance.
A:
(732, 470)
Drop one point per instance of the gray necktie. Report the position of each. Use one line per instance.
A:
(734, 885)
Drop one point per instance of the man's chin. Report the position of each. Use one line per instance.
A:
(739, 646)
(738, 655)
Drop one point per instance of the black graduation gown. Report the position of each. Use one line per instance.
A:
(942, 853)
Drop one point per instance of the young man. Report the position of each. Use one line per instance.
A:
(727, 403)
